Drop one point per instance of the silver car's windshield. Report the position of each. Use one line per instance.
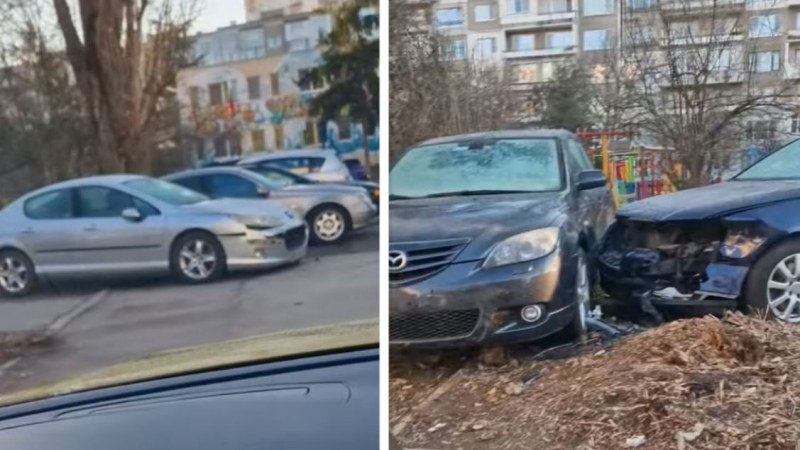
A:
(166, 192)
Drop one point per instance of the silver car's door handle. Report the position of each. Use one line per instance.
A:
(28, 230)
(90, 228)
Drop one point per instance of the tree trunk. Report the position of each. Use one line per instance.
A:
(365, 138)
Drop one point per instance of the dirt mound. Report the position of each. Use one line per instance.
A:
(698, 383)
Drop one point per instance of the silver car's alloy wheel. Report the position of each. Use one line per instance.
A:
(783, 289)
(584, 295)
(197, 259)
(14, 276)
(329, 225)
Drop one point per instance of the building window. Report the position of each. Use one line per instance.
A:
(641, 4)
(485, 13)
(554, 6)
(764, 26)
(559, 39)
(485, 47)
(254, 88)
(598, 7)
(762, 62)
(595, 39)
(548, 69)
(298, 45)
(296, 29)
(723, 61)
(456, 49)
(308, 83)
(259, 142)
(218, 93)
(252, 39)
(449, 17)
(526, 73)
(523, 42)
(518, 6)
(274, 42)
(275, 84)
(761, 130)
(681, 30)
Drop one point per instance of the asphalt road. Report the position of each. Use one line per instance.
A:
(141, 316)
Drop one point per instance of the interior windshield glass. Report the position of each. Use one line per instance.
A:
(512, 165)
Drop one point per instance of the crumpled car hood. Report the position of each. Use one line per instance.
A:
(482, 219)
(710, 201)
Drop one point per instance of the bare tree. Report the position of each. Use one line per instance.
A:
(700, 76)
(435, 90)
(124, 54)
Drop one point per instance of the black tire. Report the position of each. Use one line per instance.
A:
(20, 261)
(210, 245)
(315, 214)
(755, 289)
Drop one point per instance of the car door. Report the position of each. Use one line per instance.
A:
(108, 241)
(50, 234)
(592, 205)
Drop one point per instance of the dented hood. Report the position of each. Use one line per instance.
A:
(711, 201)
(482, 219)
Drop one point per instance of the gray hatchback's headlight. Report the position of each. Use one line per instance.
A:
(522, 247)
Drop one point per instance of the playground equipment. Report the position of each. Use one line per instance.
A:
(632, 174)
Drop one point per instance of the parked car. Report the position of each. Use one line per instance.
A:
(289, 180)
(316, 389)
(492, 237)
(131, 223)
(733, 244)
(331, 211)
(320, 165)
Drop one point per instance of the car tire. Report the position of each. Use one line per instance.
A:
(328, 224)
(766, 275)
(197, 257)
(576, 330)
(17, 274)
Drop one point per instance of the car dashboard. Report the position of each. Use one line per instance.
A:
(326, 401)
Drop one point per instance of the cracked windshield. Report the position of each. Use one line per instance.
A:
(189, 194)
(593, 224)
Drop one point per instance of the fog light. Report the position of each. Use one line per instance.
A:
(531, 313)
(259, 254)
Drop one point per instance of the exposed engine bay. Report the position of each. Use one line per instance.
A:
(678, 263)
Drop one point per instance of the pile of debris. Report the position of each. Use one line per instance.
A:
(13, 344)
(703, 383)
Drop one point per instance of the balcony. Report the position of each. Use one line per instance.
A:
(701, 40)
(791, 71)
(793, 35)
(540, 21)
(539, 53)
(695, 7)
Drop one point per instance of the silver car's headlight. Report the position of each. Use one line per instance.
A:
(522, 247)
(258, 223)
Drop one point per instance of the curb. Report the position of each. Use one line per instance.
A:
(61, 322)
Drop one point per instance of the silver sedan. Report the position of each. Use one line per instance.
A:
(331, 210)
(129, 223)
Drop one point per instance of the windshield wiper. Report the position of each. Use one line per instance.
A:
(400, 197)
(476, 192)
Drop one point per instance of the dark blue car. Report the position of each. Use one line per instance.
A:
(732, 245)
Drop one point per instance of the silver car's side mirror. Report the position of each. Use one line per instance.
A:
(132, 214)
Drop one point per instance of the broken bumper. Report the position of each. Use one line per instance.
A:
(465, 305)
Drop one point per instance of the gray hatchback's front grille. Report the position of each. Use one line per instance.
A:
(423, 259)
(416, 326)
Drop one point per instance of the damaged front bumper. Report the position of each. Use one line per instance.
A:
(465, 305)
(694, 265)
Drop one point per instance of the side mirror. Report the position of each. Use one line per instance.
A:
(263, 192)
(132, 215)
(590, 179)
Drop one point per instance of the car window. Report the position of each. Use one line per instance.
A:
(275, 177)
(50, 205)
(99, 201)
(300, 166)
(193, 183)
(145, 208)
(577, 159)
(500, 165)
(226, 185)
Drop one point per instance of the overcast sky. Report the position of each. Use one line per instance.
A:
(219, 13)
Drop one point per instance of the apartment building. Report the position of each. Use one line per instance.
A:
(529, 38)
(254, 8)
(248, 94)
